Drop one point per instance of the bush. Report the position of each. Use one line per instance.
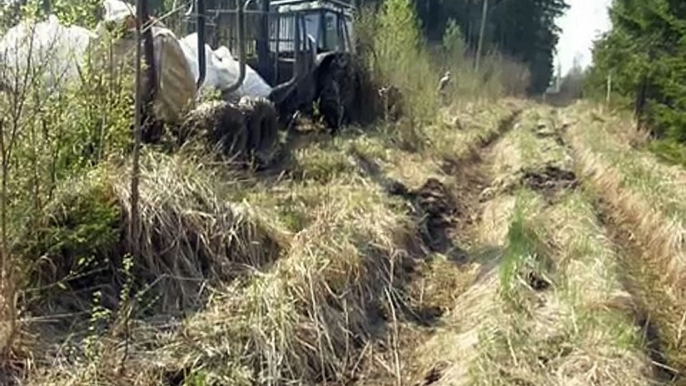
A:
(391, 41)
(397, 56)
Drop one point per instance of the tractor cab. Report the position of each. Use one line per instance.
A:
(327, 22)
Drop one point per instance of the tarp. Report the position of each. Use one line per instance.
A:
(117, 11)
(55, 51)
(223, 69)
(59, 51)
(175, 82)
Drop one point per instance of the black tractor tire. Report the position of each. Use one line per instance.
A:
(263, 127)
(221, 124)
(338, 85)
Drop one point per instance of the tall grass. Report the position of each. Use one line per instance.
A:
(51, 129)
(644, 199)
(397, 54)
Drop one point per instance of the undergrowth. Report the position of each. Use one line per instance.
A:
(236, 278)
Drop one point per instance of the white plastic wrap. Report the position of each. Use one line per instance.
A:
(117, 11)
(223, 70)
(49, 47)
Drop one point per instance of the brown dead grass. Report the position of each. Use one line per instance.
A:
(501, 330)
(296, 279)
(644, 200)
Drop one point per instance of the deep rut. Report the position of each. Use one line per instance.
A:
(445, 212)
(663, 371)
(629, 262)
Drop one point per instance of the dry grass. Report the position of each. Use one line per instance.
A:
(287, 279)
(645, 200)
(302, 320)
(504, 330)
(189, 231)
(191, 236)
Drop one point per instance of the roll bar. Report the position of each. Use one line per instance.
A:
(202, 57)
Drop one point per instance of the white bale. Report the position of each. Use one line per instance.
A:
(222, 70)
(118, 11)
(53, 49)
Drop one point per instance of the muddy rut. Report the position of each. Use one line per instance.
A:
(445, 209)
(488, 329)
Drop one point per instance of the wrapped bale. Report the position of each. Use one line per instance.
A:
(175, 82)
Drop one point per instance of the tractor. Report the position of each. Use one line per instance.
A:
(302, 48)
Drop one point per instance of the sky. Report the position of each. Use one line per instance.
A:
(583, 22)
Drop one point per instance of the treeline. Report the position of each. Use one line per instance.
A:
(524, 30)
(644, 55)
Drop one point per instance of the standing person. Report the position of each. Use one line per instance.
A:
(443, 85)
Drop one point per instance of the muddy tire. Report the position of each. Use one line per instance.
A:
(221, 124)
(262, 127)
(338, 88)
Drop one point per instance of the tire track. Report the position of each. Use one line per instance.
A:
(630, 259)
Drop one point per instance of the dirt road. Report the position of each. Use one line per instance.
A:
(572, 264)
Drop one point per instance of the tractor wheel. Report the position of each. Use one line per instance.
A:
(222, 124)
(337, 96)
(231, 134)
(262, 125)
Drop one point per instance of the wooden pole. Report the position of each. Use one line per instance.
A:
(479, 47)
(137, 127)
(609, 89)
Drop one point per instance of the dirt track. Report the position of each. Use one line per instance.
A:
(508, 322)
(508, 251)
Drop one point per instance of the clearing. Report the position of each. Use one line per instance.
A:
(527, 245)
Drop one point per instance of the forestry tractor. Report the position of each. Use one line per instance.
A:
(275, 59)
(302, 48)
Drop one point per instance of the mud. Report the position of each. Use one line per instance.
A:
(549, 132)
(434, 375)
(434, 207)
(444, 211)
(550, 180)
(537, 282)
(439, 210)
(504, 126)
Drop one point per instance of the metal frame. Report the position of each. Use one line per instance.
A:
(202, 57)
(271, 25)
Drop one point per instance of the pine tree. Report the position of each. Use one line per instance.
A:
(645, 52)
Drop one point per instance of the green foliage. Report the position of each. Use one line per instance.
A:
(523, 30)
(78, 226)
(82, 12)
(669, 151)
(59, 225)
(644, 54)
(525, 249)
(399, 57)
(453, 40)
